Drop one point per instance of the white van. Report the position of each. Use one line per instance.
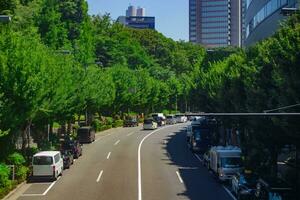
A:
(180, 118)
(149, 124)
(47, 164)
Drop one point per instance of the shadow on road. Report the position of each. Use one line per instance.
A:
(199, 183)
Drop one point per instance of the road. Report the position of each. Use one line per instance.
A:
(110, 169)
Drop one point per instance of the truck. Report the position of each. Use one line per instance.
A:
(200, 136)
(225, 161)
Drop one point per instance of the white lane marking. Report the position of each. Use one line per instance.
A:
(129, 134)
(139, 163)
(117, 142)
(102, 137)
(201, 160)
(108, 155)
(233, 197)
(46, 191)
(99, 176)
(51, 186)
(179, 177)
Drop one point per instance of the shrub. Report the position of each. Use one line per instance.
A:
(16, 159)
(5, 183)
(118, 123)
(96, 124)
(141, 120)
(109, 120)
(105, 127)
(21, 173)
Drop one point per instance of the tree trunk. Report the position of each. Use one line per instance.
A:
(25, 136)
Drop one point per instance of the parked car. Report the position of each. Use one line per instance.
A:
(72, 145)
(131, 122)
(160, 121)
(180, 118)
(86, 134)
(243, 185)
(161, 115)
(149, 124)
(47, 164)
(68, 158)
(170, 119)
(273, 190)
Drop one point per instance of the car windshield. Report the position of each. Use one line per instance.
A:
(231, 162)
(169, 117)
(42, 160)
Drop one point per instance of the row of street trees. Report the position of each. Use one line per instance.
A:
(47, 74)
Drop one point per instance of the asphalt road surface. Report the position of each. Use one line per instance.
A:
(132, 164)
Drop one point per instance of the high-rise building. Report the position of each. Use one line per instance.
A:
(141, 12)
(215, 23)
(131, 11)
(136, 18)
(263, 17)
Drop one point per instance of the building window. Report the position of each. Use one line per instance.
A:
(213, 14)
(268, 9)
(214, 3)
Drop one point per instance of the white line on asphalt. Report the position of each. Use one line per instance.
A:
(129, 134)
(139, 163)
(201, 160)
(117, 142)
(51, 186)
(179, 177)
(108, 155)
(233, 197)
(102, 137)
(99, 176)
(46, 191)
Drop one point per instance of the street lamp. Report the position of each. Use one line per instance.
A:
(5, 18)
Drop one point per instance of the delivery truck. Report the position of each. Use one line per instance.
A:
(225, 161)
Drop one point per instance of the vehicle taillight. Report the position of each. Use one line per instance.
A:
(53, 168)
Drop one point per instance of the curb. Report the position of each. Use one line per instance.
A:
(14, 190)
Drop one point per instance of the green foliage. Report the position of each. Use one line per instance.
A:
(16, 159)
(117, 123)
(5, 183)
(96, 124)
(22, 173)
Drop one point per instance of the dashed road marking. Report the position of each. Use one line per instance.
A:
(129, 134)
(117, 142)
(179, 177)
(99, 176)
(108, 155)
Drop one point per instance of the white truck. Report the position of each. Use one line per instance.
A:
(225, 161)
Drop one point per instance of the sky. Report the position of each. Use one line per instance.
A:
(171, 16)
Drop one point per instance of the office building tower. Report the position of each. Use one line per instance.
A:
(141, 12)
(131, 11)
(215, 23)
(136, 18)
(263, 17)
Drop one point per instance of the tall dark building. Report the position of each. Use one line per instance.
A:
(263, 17)
(215, 23)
